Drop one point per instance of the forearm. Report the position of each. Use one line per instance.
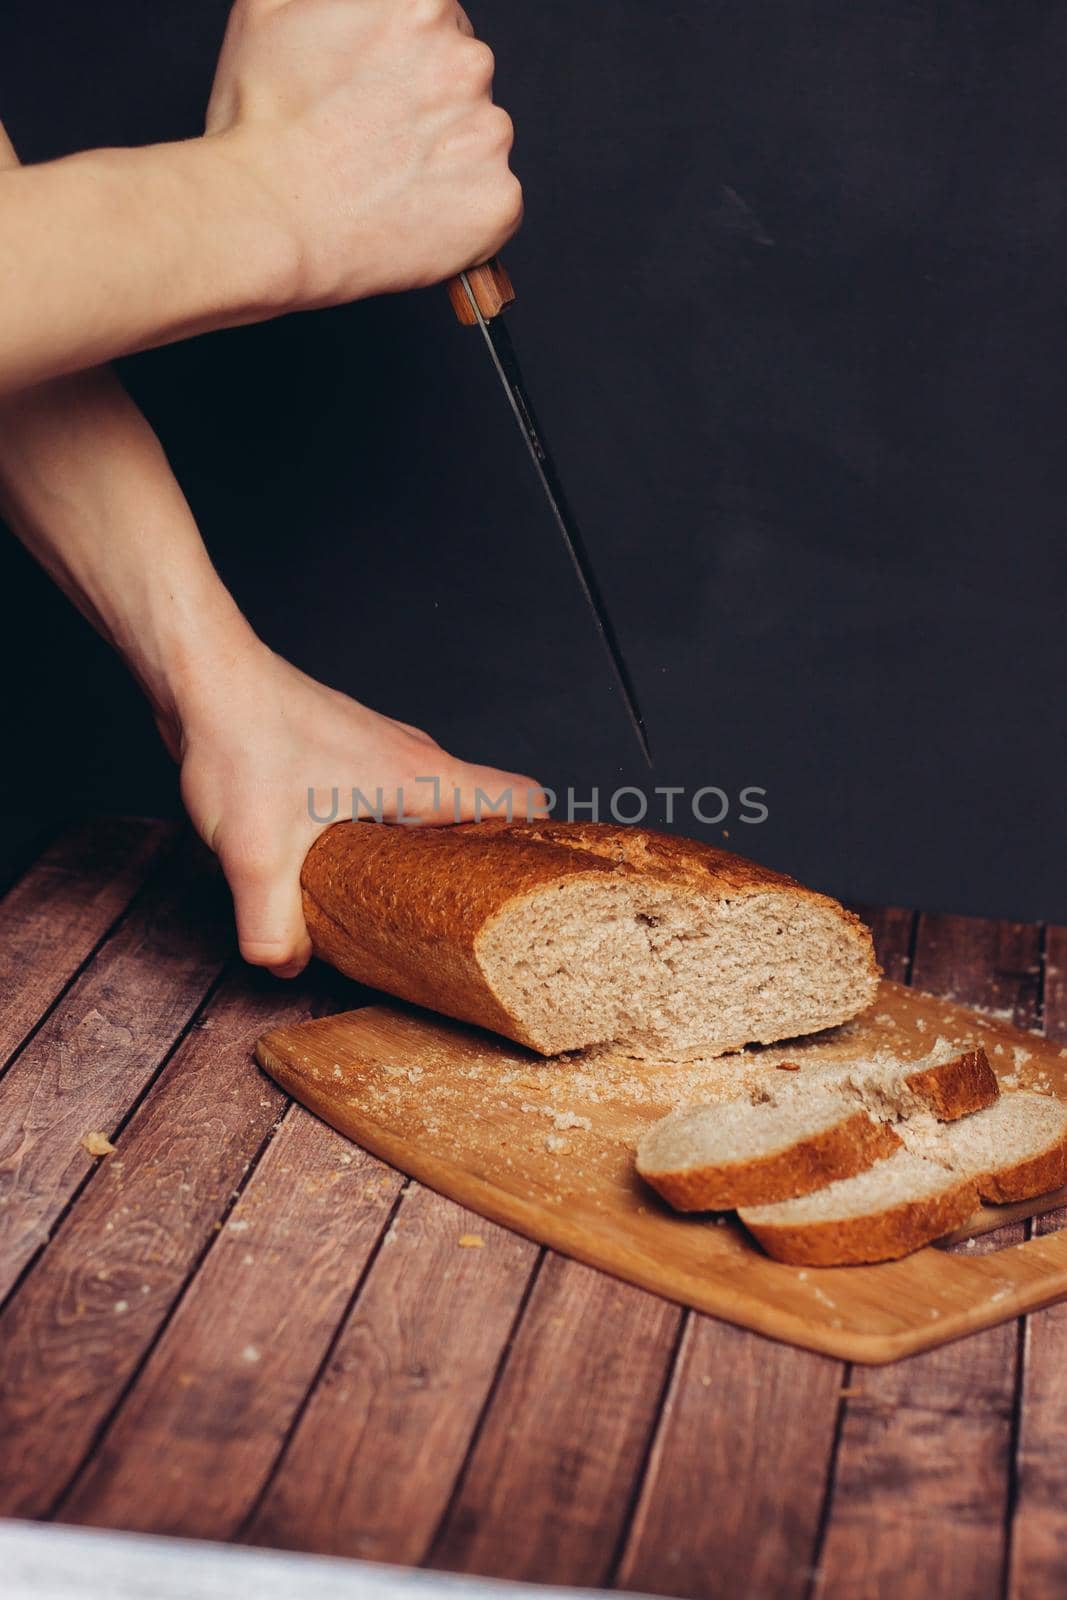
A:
(118, 250)
(350, 150)
(87, 488)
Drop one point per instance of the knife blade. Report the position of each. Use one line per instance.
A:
(481, 306)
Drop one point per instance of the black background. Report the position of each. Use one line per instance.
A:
(792, 291)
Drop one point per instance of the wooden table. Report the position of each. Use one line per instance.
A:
(239, 1327)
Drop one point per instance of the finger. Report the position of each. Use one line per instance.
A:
(467, 793)
(271, 930)
(419, 734)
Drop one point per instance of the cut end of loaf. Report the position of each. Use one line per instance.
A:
(656, 971)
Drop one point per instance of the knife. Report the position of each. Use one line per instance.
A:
(478, 297)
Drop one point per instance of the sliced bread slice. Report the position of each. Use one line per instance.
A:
(718, 1157)
(947, 1082)
(893, 1208)
(1013, 1150)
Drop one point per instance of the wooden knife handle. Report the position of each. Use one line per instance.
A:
(490, 286)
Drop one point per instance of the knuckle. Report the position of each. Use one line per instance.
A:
(247, 864)
(430, 13)
(511, 203)
(502, 129)
(480, 62)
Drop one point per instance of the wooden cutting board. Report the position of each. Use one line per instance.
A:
(546, 1147)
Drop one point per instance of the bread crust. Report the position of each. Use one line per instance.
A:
(403, 909)
(878, 1236)
(1039, 1174)
(953, 1089)
(849, 1147)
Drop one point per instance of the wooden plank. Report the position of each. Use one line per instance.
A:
(752, 1421)
(403, 1390)
(548, 1487)
(995, 965)
(197, 1434)
(736, 1478)
(102, 1044)
(1055, 1007)
(922, 1475)
(921, 1480)
(1038, 1534)
(893, 928)
(55, 914)
(86, 1314)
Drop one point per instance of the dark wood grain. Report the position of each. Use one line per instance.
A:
(373, 1461)
(1055, 994)
(54, 915)
(547, 1490)
(299, 1377)
(893, 928)
(198, 1433)
(101, 1046)
(89, 1309)
(1038, 1561)
(736, 1479)
(996, 965)
(754, 1419)
(922, 1473)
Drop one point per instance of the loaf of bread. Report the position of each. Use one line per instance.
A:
(797, 1139)
(565, 935)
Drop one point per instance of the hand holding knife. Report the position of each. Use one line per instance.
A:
(479, 296)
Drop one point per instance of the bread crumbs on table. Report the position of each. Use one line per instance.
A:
(471, 1241)
(96, 1143)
